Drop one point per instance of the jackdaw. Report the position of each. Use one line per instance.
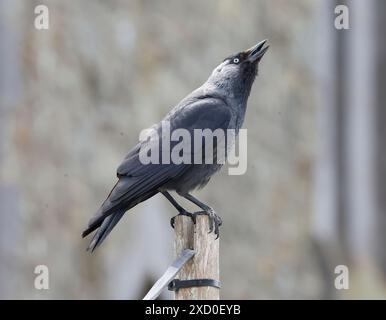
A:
(220, 103)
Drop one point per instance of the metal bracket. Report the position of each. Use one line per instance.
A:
(176, 284)
(169, 274)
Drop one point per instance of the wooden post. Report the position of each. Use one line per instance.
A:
(205, 263)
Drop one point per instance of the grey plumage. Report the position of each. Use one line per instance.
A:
(220, 103)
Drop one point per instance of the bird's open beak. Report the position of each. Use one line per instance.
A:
(256, 52)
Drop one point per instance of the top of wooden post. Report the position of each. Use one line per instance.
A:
(205, 263)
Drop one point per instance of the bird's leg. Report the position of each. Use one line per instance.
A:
(181, 210)
(214, 220)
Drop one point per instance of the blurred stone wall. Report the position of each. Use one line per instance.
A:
(104, 71)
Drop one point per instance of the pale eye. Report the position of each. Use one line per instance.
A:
(236, 60)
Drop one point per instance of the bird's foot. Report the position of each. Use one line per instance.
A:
(214, 220)
(182, 213)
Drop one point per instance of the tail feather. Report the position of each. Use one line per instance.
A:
(107, 225)
(129, 191)
(93, 225)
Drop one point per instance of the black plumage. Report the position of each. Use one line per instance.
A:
(220, 103)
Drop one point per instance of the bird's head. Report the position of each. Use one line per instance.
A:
(235, 75)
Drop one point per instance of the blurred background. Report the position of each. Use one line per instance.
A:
(74, 98)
